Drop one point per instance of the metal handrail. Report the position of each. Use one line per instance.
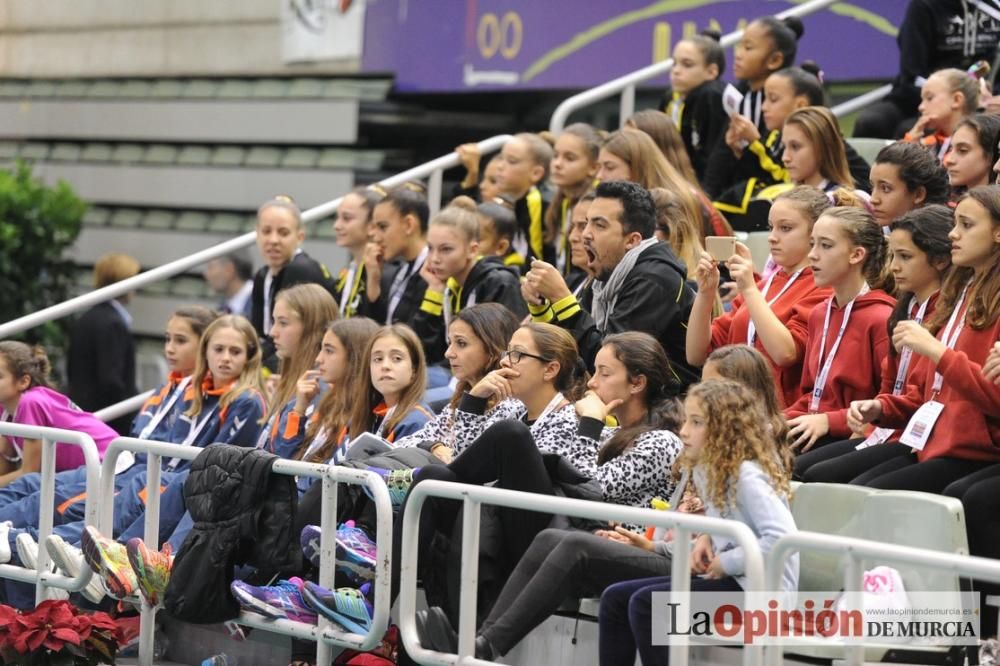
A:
(40, 576)
(861, 101)
(626, 84)
(126, 406)
(858, 550)
(433, 169)
(473, 497)
(324, 633)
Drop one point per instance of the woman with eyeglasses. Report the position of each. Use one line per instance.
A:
(630, 464)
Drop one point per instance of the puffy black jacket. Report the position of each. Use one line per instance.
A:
(242, 514)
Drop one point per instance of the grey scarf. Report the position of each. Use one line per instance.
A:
(606, 293)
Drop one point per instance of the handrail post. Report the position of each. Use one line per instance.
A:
(151, 537)
(626, 106)
(469, 590)
(45, 519)
(327, 558)
(434, 187)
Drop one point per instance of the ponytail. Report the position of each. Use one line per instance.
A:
(24, 360)
(863, 231)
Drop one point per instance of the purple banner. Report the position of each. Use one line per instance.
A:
(472, 45)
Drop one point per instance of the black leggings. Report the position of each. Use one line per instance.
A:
(505, 453)
(981, 501)
(561, 565)
(889, 466)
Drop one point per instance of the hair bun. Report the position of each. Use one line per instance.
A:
(463, 202)
(794, 24)
(812, 67)
(41, 360)
(711, 33)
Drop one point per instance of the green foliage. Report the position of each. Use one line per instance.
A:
(37, 224)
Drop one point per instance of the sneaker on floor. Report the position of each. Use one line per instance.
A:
(151, 569)
(346, 606)
(109, 560)
(398, 481)
(69, 560)
(5, 553)
(281, 601)
(355, 555)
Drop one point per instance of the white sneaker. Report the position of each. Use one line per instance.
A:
(27, 551)
(4, 542)
(69, 560)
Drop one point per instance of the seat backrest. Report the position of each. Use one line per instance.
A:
(867, 148)
(920, 520)
(828, 508)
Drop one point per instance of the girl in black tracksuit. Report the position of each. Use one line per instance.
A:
(458, 277)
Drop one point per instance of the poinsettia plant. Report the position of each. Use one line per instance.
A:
(57, 633)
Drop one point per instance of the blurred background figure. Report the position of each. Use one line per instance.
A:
(230, 277)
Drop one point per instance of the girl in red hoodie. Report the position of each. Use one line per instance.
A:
(920, 247)
(947, 378)
(847, 335)
(771, 315)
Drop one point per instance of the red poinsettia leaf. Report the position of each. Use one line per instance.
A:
(102, 621)
(65, 635)
(35, 638)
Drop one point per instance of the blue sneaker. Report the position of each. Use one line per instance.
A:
(346, 606)
(398, 481)
(356, 555)
(282, 601)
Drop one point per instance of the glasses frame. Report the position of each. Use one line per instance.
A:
(515, 356)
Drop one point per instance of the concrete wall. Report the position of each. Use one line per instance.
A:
(146, 38)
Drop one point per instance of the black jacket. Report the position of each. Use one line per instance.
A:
(101, 362)
(409, 302)
(243, 514)
(302, 269)
(703, 122)
(489, 281)
(655, 298)
(936, 34)
(528, 223)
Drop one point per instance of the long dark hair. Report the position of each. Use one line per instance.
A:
(493, 324)
(928, 228)
(643, 356)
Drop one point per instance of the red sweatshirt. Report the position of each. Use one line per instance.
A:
(969, 425)
(856, 373)
(792, 309)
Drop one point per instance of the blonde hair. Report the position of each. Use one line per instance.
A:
(808, 200)
(539, 149)
(249, 379)
(736, 431)
(650, 168)
(462, 215)
(361, 416)
(822, 131)
(683, 232)
(663, 132)
(284, 202)
(316, 308)
(960, 82)
(114, 267)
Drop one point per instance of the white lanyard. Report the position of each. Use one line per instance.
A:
(385, 419)
(748, 107)
(345, 294)
(319, 439)
(265, 432)
(193, 434)
(906, 354)
(400, 281)
(563, 256)
(950, 337)
(751, 329)
(580, 287)
(944, 148)
(164, 409)
(268, 281)
(825, 365)
(557, 400)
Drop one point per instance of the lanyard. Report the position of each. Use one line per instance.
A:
(751, 328)
(266, 431)
(825, 365)
(563, 258)
(557, 400)
(907, 354)
(164, 408)
(400, 282)
(749, 108)
(950, 337)
(350, 291)
(193, 434)
(385, 419)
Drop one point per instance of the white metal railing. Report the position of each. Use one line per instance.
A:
(433, 169)
(473, 497)
(40, 576)
(861, 101)
(324, 633)
(857, 551)
(126, 406)
(626, 85)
